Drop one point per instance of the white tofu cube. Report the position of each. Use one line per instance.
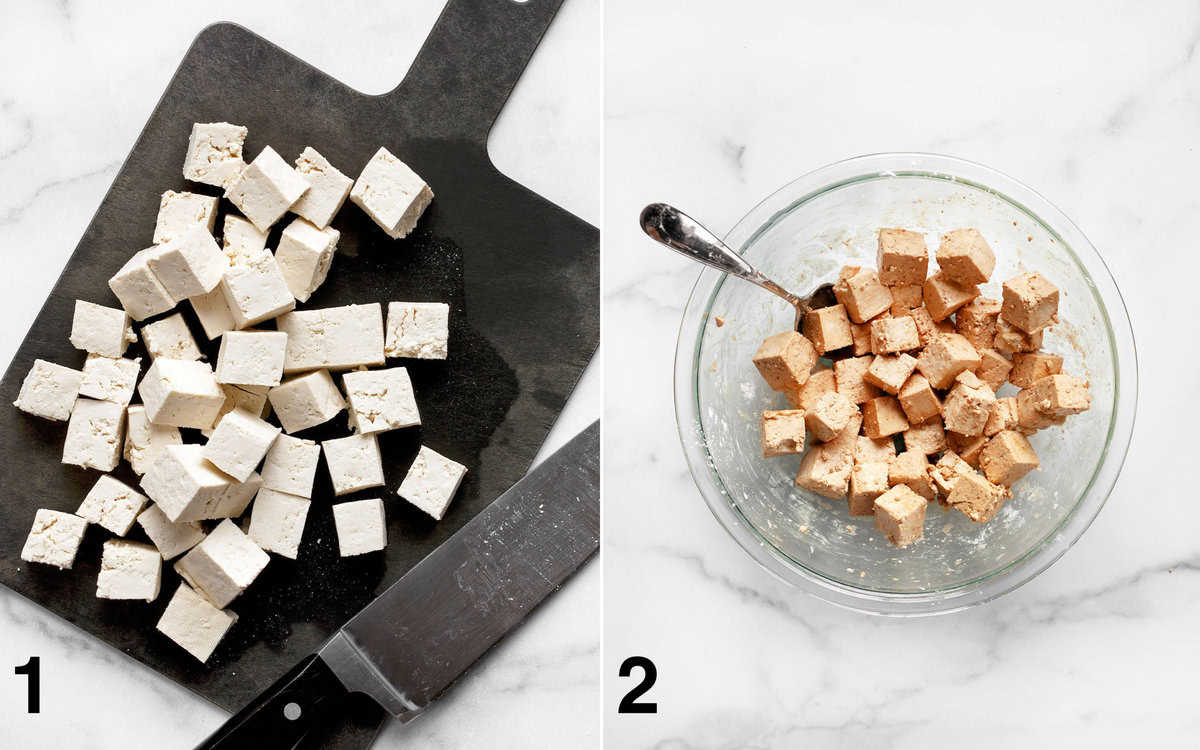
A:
(306, 401)
(361, 527)
(391, 193)
(195, 624)
(213, 312)
(54, 539)
(141, 293)
(101, 330)
(241, 241)
(335, 338)
(420, 330)
(223, 565)
(431, 482)
(94, 435)
(171, 338)
(251, 358)
(381, 399)
(291, 466)
(129, 570)
(144, 440)
(182, 393)
(249, 398)
(277, 522)
(49, 391)
(214, 153)
(304, 255)
(189, 488)
(188, 265)
(239, 442)
(327, 188)
(266, 189)
(172, 539)
(179, 213)
(112, 504)
(354, 463)
(108, 379)
(256, 291)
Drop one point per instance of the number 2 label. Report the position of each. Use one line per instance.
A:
(630, 704)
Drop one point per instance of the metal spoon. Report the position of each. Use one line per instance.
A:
(683, 234)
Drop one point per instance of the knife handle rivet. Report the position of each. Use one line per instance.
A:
(291, 711)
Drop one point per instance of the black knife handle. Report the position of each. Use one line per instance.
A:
(285, 713)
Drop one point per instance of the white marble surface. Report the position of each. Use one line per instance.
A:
(66, 58)
(1092, 104)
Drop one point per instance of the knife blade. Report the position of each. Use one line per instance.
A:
(409, 645)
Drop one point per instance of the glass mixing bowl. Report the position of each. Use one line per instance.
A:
(800, 236)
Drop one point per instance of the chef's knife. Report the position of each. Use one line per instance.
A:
(411, 643)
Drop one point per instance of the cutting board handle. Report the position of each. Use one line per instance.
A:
(470, 62)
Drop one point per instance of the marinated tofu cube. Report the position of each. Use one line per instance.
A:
(889, 373)
(223, 565)
(825, 468)
(239, 443)
(829, 416)
(417, 330)
(782, 432)
(1003, 416)
(861, 334)
(327, 188)
(911, 469)
(277, 522)
(354, 463)
(859, 291)
(850, 374)
(391, 193)
(819, 382)
(927, 438)
(968, 405)
(101, 330)
(927, 328)
(1007, 457)
(964, 257)
(1010, 340)
(291, 466)
(894, 335)
(139, 290)
(867, 482)
(993, 368)
(967, 447)
(1059, 395)
(179, 213)
(1030, 302)
(305, 254)
(129, 570)
(918, 400)
(976, 321)
(869, 450)
(256, 291)
(945, 357)
(54, 539)
(170, 538)
(214, 153)
(882, 417)
(432, 482)
(181, 393)
(784, 360)
(943, 296)
(902, 257)
(194, 623)
(900, 515)
(306, 401)
(906, 298)
(976, 497)
(266, 189)
(94, 435)
(361, 527)
(1030, 367)
(49, 391)
(187, 265)
(108, 379)
(828, 328)
(112, 504)
(252, 358)
(946, 473)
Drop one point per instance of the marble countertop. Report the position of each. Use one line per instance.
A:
(540, 685)
(1097, 110)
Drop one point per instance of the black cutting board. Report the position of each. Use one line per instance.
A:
(521, 276)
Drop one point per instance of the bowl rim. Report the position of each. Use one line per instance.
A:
(1055, 544)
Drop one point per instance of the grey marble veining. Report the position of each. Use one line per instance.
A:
(67, 122)
(1094, 106)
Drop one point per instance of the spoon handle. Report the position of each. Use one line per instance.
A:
(683, 234)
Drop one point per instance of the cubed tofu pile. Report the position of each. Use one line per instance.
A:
(195, 484)
(908, 413)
